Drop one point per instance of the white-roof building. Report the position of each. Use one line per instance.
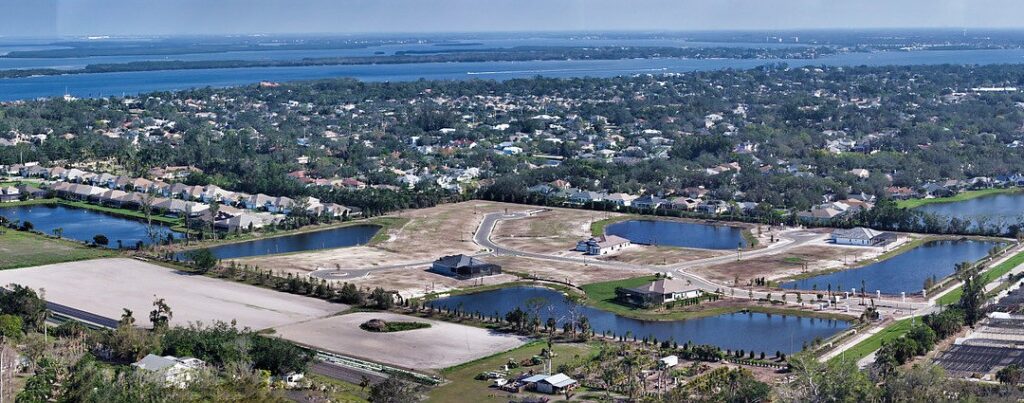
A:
(172, 370)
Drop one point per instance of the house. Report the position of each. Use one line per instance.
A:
(861, 237)
(554, 384)
(819, 214)
(173, 371)
(621, 199)
(668, 362)
(602, 245)
(243, 221)
(584, 196)
(9, 194)
(462, 267)
(657, 292)
(713, 207)
(860, 173)
(685, 203)
(649, 202)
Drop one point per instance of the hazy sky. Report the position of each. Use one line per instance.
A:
(168, 17)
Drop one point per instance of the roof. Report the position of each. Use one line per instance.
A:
(559, 380)
(535, 378)
(856, 233)
(663, 286)
(153, 362)
(460, 260)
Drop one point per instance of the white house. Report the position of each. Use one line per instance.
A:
(860, 236)
(555, 384)
(177, 372)
(602, 245)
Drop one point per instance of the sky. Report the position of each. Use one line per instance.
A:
(219, 17)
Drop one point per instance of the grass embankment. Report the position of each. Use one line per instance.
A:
(988, 276)
(963, 196)
(602, 296)
(597, 227)
(464, 388)
(23, 249)
(874, 342)
(121, 212)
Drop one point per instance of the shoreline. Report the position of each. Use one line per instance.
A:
(963, 196)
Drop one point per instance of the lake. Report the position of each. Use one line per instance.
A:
(677, 233)
(325, 239)
(905, 272)
(1000, 209)
(107, 84)
(748, 331)
(83, 224)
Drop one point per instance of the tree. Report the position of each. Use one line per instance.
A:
(100, 239)
(26, 304)
(973, 296)
(203, 259)
(381, 298)
(1011, 374)
(832, 381)
(393, 390)
(10, 326)
(161, 315)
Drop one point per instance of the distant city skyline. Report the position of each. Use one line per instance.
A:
(51, 18)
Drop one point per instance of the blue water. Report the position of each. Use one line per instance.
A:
(83, 225)
(747, 331)
(1001, 210)
(326, 239)
(905, 272)
(675, 233)
(107, 84)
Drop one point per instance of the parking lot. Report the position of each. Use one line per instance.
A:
(105, 286)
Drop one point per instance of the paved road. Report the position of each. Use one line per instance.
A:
(347, 374)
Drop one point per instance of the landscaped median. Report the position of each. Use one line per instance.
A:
(874, 342)
(988, 276)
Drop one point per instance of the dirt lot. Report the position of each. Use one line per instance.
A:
(660, 255)
(440, 346)
(105, 286)
(430, 233)
(804, 258)
(577, 274)
(553, 232)
(417, 281)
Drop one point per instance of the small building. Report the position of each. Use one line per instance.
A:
(462, 266)
(602, 245)
(555, 384)
(860, 236)
(173, 371)
(657, 293)
(668, 362)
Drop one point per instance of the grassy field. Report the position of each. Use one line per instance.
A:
(341, 391)
(970, 194)
(987, 277)
(463, 388)
(22, 249)
(873, 343)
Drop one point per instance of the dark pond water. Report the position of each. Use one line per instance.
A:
(1001, 209)
(675, 233)
(748, 331)
(107, 84)
(905, 272)
(326, 239)
(83, 225)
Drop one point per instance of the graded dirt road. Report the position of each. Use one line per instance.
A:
(105, 286)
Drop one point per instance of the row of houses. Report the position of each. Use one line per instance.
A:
(236, 210)
(689, 201)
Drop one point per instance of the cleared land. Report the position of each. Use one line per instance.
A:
(105, 286)
(429, 234)
(574, 273)
(416, 281)
(555, 231)
(660, 255)
(441, 345)
(22, 249)
(813, 257)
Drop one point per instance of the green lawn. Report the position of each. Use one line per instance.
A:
(121, 212)
(22, 249)
(873, 343)
(463, 388)
(970, 194)
(597, 227)
(987, 277)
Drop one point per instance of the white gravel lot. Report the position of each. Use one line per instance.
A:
(105, 286)
(441, 345)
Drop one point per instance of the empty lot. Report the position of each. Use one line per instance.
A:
(105, 286)
(440, 346)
